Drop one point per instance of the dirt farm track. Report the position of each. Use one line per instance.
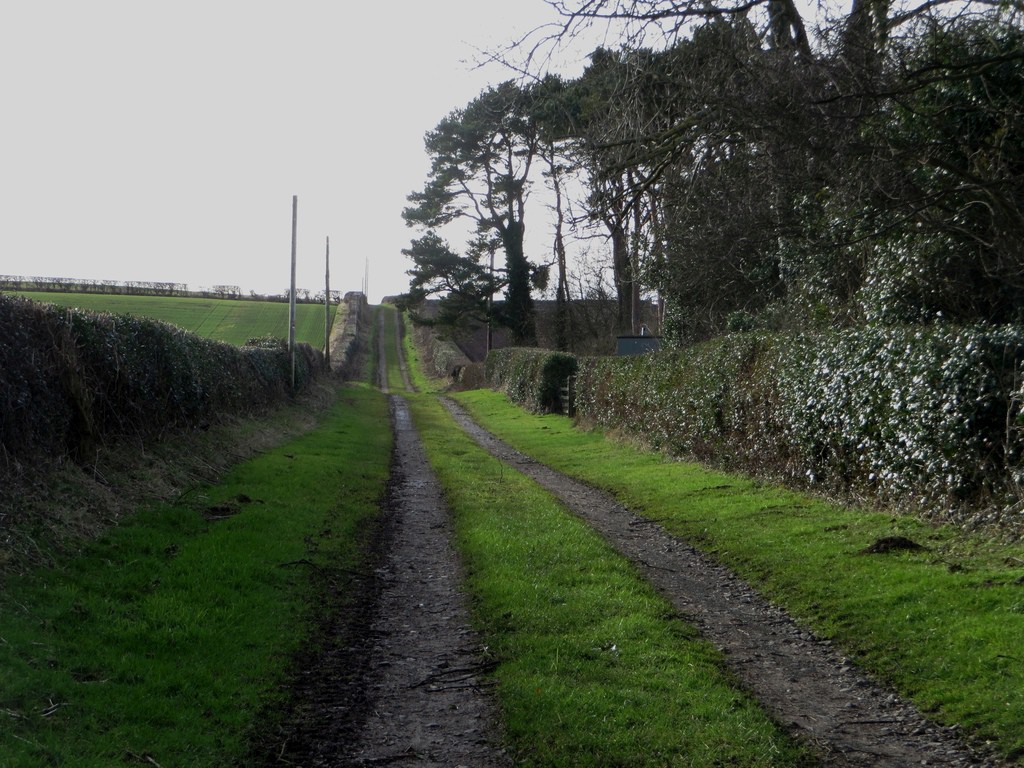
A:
(409, 686)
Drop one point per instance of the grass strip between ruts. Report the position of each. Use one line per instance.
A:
(388, 321)
(594, 668)
(163, 642)
(414, 363)
(944, 624)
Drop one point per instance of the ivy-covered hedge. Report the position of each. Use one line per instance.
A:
(445, 357)
(531, 377)
(908, 416)
(69, 380)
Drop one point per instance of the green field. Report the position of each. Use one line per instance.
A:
(227, 320)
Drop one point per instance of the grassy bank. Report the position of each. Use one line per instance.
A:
(388, 324)
(413, 361)
(163, 641)
(230, 320)
(943, 624)
(594, 668)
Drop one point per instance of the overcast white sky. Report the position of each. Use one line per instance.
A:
(164, 141)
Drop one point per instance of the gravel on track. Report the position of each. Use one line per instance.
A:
(807, 686)
(399, 678)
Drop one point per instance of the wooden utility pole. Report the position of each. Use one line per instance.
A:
(327, 306)
(291, 293)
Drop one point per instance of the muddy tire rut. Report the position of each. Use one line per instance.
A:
(405, 680)
(811, 690)
(399, 678)
(425, 677)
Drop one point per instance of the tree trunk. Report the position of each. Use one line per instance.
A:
(634, 270)
(518, 301)
(562, 320)
(620, 269)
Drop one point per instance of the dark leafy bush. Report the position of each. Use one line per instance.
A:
(923, 417)
(446, 358)
(472, 376)
(532, 377)
(691, 402)
(70, 380)
(36, 409)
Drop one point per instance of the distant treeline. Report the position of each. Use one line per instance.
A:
(142, 288)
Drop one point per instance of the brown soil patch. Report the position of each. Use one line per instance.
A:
(892, 544)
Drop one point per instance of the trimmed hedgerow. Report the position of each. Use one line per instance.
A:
(532, 377)
(687, 403)
(928, 418)
(35, 406)
(446, 357)
(69, 380)
(925, 416)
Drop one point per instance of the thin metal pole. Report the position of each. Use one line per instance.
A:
(327, 306)
(291, 293)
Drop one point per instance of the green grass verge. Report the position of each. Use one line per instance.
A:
(419, 380)
(944, 625)
(163, 642)
(229, 320)
(388, 321)
(594, 667)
